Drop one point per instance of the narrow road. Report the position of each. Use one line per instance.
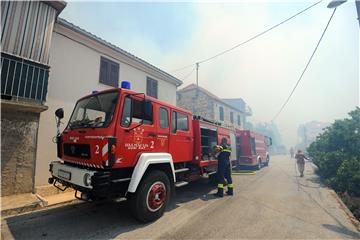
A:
(274, 203)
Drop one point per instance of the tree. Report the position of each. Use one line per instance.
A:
(336, 152)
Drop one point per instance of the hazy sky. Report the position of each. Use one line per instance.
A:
(262, 72)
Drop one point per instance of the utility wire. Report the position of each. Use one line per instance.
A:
(307, 65)
(250, 39)
(179, 69)
(187, 75)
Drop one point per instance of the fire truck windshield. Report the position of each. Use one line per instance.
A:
(94, 111)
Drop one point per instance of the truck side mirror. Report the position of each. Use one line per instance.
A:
(268, 141)
(59, 113)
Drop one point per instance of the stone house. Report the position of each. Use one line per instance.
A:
(207, 105)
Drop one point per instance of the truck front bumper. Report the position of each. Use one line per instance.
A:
(69, 176)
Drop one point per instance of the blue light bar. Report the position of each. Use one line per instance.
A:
(126, 85)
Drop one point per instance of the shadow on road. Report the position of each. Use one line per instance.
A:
(342, 230)
(104, 220)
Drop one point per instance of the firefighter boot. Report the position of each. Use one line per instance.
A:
(220, 191)
(230, 190)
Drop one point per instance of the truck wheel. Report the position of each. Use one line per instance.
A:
(267, 161)
(258, 167)
(149, 201)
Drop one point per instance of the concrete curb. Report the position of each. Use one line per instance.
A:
(346, 210)
(42, 204)
(22, 209)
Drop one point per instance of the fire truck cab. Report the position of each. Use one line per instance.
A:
(119, 143)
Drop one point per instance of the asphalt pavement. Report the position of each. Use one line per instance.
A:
(272, 204)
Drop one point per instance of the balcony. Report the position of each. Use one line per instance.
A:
(23, 80)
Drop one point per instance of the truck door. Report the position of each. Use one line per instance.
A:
(163, 129)
(181, 139)
(137, 131)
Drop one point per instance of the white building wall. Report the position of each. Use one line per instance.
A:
(227, 111)
(75, 73)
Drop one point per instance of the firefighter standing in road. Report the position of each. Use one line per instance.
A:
(300, 160)
(291, 152)
(224, 169)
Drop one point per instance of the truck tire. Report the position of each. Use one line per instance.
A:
(149, 201)
(267, 161)
(258, 166)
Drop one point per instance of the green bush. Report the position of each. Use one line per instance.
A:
(336, 152)
(348, 177)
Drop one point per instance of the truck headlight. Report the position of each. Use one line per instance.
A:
(87, 179)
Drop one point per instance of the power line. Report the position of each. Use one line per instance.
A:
(187, 75)
(187, 66)
(307, 65)
(250, 39)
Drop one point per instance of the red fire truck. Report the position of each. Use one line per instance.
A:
(252, 149)
(120, 143)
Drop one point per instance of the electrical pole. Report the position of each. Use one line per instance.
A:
(197, 74)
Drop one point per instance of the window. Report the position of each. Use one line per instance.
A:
(109, 72)
(179, 122)
(151, 87)
(126, 114)
(182, 122)
(231, 117)
(135, 111)
(238, 120)
(163, 118)
(94, 111)
(252, 144)
(221, 111)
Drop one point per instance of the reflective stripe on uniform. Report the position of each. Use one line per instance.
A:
(231, 185)
(220, 186)
(226, 150)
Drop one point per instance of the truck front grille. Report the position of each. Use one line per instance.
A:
(77, 150)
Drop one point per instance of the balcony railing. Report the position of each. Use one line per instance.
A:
(22, 79)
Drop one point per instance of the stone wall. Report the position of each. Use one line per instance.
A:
(18, 150)
(197, 102)
(207, 107)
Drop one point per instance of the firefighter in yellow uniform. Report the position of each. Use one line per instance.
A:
(224, 170)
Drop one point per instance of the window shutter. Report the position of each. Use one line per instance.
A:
(221, 111)
(109, 72)
(155, 89)
(103, 72)
(114, 75)
(151, 87)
